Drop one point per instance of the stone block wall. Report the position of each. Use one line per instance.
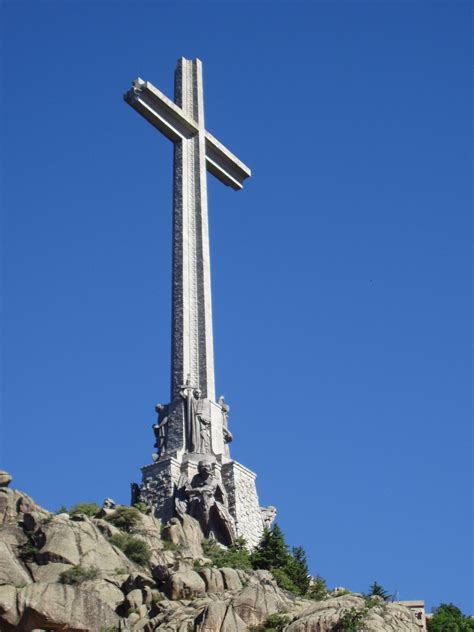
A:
(158, 486)
(239, 483)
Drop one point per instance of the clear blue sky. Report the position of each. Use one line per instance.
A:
(340, 273)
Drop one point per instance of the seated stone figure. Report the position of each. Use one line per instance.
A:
(205, 499)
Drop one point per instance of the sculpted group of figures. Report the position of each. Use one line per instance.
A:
(197, 423)
(203, 497)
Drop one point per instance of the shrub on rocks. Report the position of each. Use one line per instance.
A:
(88, 509)
(318, 589)
(274, 623)
(135, 549)
(125, 518)
(235, 556)
(78, 574)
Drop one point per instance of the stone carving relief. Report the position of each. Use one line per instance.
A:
(198, 419)
(205, 499)
(160, 430)
(227, 435)
(268, 516)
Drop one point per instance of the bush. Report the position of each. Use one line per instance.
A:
(27, 551)
(78, 574)
(62, 509)
(170, 546)
(449, 618)
(125, 518)
(318, 589)
(284, 581)
(136, 550)
(351, 621)
(273, 623)
(89, 509)
(235, 556)
(142, 507)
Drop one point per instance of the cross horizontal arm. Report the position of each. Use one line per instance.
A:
(224, 165)
(170, 119)
(160, 111)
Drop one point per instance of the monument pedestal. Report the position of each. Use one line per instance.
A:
(160, 483)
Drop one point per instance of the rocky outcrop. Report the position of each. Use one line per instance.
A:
(375, 615)
(62, 572)
(54, 607)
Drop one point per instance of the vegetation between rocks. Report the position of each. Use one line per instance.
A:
(274, 623)
(125, 518)
(135, 549)
(88, 509)
(78, 574)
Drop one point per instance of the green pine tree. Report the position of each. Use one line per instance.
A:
(272, 551)
(297, 570)
(376, 590)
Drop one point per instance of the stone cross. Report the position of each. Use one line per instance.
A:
(195, 151)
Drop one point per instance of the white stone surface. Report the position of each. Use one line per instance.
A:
(195, 152)
(239, 482)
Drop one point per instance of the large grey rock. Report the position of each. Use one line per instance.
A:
(13, 535)
(186, 534)
(185, 584)
(11, 570)
(13, 504)
(80, 543)
(54, 607)
(259, 599)
(9, 615)
(106, 590)
(47, 573)
(231, 579)
(5, 478)
(324, 615)
(213, 579)
(220, 617)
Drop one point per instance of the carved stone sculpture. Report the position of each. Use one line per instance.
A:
(198, 420)
(228, 436)
(268, 515)
(205, 499)
(161, 430)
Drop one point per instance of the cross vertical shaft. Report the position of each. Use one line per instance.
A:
(192, 338)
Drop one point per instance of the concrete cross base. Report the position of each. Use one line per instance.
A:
(160, 482)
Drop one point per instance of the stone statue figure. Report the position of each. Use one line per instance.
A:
(268, 516)
(161, 430)
(205, 499)
(228, 436)
(198, 419)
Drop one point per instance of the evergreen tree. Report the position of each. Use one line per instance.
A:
(297, 569)
(272, 551)
(376, 590)
(449, 618)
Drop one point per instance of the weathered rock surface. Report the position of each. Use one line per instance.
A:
(185, 584)
(11, 570)
(5, 478)
(260, 598)
(322, 616)
(80, 543)
(13, 504)
(61, 607)
(166, 594)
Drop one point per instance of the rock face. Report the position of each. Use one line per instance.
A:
(175, 591)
